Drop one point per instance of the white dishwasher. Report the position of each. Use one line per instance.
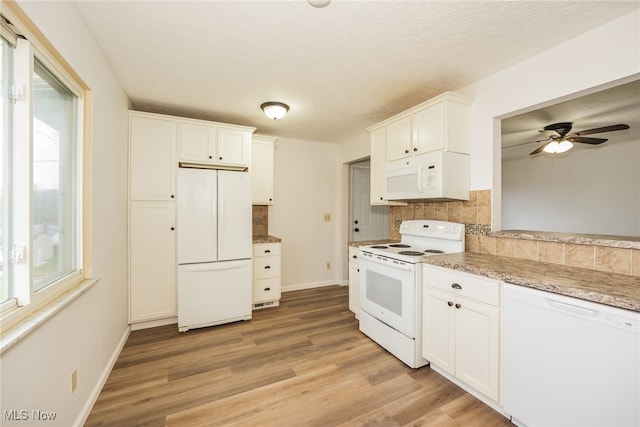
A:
(569, 362)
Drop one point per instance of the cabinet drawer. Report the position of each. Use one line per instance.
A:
(266, 290)
(266, 266)
(266, 249)
(463, 284)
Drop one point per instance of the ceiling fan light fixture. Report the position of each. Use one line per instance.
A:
(275, 110)
(558, 146)
(319, 3)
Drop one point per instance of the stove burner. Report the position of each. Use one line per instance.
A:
(400, 245)
(411, 253)
(379, 247)
(433, 251)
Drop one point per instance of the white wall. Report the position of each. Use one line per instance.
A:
(85, 334)
(606, 54)
(307, 185)
(594, 190)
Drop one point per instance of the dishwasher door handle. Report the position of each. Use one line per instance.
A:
(571, 309)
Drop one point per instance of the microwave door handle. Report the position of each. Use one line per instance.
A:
(420, 179)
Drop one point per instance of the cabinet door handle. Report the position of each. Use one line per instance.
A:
(267, 251)
(456, 286)
(266, 267)
(267, 289)
(449, 303)
(458, 305)
(355, 257)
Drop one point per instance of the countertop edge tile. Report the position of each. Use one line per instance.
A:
(616, 290)
(356, 244)
(266, 238)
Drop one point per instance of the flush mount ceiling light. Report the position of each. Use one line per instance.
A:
(558, 146)
(319, 3)
(275, 110)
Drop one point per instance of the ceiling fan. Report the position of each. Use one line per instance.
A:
(563, 140)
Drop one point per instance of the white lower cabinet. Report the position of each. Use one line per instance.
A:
(461, 327)
(152, 254)
(354, 280)
(266, 275)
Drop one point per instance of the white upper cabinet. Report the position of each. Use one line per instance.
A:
(214, 145)
(234, 147)
(398, 137)
(441, 123)
(262, 170)
(152, 158)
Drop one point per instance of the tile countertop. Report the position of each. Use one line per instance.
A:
(613, 289)
(265, 238)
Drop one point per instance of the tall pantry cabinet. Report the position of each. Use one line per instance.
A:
(152, 236)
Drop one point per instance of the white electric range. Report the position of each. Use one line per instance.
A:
(391, 285)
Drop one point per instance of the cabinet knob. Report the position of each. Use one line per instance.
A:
(356, 229)
(173, 196)
(381, 198)
(220, 158)
(406, 151)
(267, 289)
(267, 267)
(358, 270)
(415, 149)
(270, 199)
(456, 286)
(267, 251)
(173, 228)
(449, 303)
(458, 305)
(355, 257)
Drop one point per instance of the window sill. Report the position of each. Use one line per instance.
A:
(24, 327)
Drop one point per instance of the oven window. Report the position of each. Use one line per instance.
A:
(384, 291)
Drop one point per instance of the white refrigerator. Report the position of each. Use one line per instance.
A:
(214, 247)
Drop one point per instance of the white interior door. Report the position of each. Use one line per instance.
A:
(367, 222)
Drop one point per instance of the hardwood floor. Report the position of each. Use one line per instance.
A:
(304, 363)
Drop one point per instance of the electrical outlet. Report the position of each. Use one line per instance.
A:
(74, 380)
(328, 265)
(327, 217)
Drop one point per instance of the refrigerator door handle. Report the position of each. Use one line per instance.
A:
(220, 221)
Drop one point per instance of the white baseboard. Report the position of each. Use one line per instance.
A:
(93, 396)
(311, 285)
(154, 323)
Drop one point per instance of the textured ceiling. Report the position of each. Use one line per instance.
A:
(341, 68)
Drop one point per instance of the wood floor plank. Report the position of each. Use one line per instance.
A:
(304, 363)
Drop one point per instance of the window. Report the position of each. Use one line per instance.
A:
(41, 181)
(6, 288)
(54, 179)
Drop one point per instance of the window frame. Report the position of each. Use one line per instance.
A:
(35, 46)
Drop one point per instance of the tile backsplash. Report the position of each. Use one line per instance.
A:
(476, 215)
(260, 220)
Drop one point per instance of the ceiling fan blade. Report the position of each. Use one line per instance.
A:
(539, 149)
(601, 130)
(592, 141)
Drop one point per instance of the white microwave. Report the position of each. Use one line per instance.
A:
(434, 175)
